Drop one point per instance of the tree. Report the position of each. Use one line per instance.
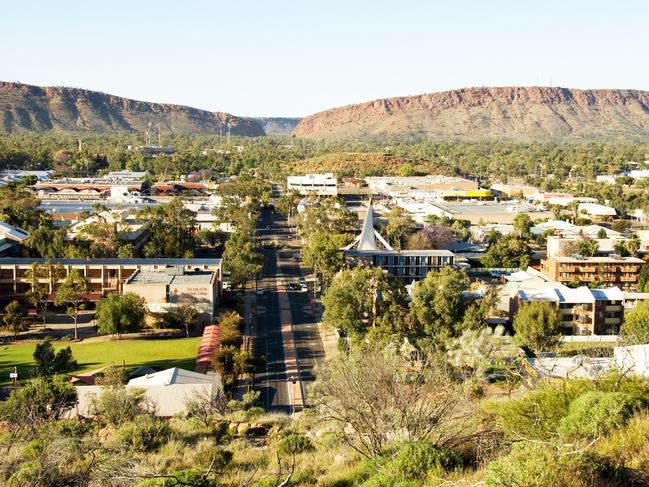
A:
(171, 226)
(400, 225)
(241, 260)
(50, 362)
(328, 215)
(187, 316)
(537, 326)
(587, 247)
(13, 319)
(37, 402)
(643, 279)
(635, 329)
(72, 292)
(375, 396)
(522, 225)
(323, 254)
(509, 251)
(120, 313)
(437, 302)
(431, 237)
(38, 294)
(364, 299)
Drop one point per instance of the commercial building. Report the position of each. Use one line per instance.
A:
(166, 290)
(88, 188)
(476, 212)
(318, 184)
(11, 239)
(565, 246)
(514, 190)
(406, 265)
(129, 228)
(104, 276)
(426, 187)
(582, 311)
(608, 271)
(596, 210)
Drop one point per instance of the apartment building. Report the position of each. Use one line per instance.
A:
(582, 311)
(612, 270)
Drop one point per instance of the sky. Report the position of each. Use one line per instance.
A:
(294, 58)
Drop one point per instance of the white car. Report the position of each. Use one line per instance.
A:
(304, 287)
(259, 292)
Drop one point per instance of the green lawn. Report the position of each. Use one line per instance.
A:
(163, 353)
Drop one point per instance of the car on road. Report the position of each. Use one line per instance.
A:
(260, 291)
(304, 287)
(296, 258)
(292, 286)
(302, 281)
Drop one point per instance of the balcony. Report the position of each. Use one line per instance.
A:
(613, 307)
(612, 321)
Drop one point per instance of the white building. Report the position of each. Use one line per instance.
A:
(597, 210)
(318, 184)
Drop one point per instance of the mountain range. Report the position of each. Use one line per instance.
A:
(514, 113)
(534, 113)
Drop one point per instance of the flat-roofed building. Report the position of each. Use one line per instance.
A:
(612, 270)
(319, 184)
(406, 265)
(426, 187)
(167, 290)
(104, 276)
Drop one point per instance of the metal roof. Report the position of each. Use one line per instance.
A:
(109, 261)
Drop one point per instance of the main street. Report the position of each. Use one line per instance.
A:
(279, 272)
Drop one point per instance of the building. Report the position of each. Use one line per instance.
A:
(563, 228)
(565, 246)
(167, 392)
(318, 184)
(167, 289)
(104, 276)
(11, 239)
(513, 190)
(88, 188)
(582, 311)
(406, 265)
(609, 271)
(130, 229)
(476, 212)
(426, 187)
(596, 210)
(8, 175)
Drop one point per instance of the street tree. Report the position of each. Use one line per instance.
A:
(241, 260)
(323, 253)
(364, 300)
(13, 318)
(72, 292)
(171, 227)
(120, 313)
(329, 215)
(537, 326)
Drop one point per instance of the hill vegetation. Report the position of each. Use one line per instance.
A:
(59, 109)
(512, 113)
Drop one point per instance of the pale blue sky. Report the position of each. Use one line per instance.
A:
(293, 58)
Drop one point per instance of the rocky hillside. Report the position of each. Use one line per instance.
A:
(32, 108)
(487, 113)
(277, 125)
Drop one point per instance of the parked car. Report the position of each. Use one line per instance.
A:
(304, 287)
(260, 291)
(302, 281)
(296, 258)
(291, 286)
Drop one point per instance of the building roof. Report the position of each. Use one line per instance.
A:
(367, 241)
(441, 253)
(173, 376)
(598, 260)
(161, 277)
(564, 294)
(13, 233)
(110, 261)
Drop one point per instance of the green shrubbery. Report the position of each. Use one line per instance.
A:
(144, 434)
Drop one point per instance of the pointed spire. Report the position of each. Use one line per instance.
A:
(367, 241)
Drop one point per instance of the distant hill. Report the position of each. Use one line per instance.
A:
(57, 109)
(278, 125)
(535, 113)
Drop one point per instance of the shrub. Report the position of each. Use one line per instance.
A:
(538, 465)
(595, 413)
(181, 477)
(116, 405)
(294, 444)
(415, 459)
(628, 447)
(145, 434)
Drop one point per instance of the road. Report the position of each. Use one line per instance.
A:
(279, 267)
